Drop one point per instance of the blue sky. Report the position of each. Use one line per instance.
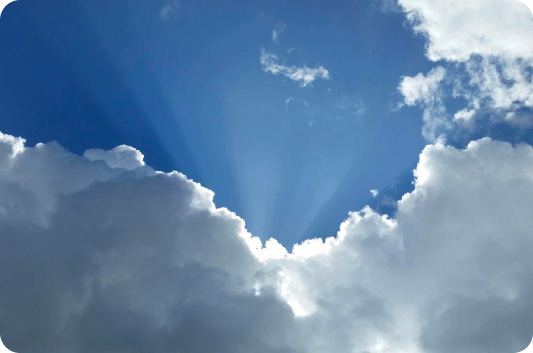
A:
(183, 83)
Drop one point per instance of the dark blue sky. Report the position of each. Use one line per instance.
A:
(186, 88)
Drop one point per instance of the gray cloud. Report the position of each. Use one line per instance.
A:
(98, 257)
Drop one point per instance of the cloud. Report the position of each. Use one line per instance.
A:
(388, 6)
(359, 108)
(293, 100)
(422, 88)
(168, 10)
(426, 91)
(488, 46)
(529, 5)
(503, 86)
(278, 30)
(456, 30)
(334, 112)
(119, 157)
(105, 254)
(303, 75)
(352, 106)
(491, 90)
(98, 257)
(374, 192)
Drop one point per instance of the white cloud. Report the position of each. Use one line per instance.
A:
(303, 75)
(497, 84)
(96, 257)
(350, 106)
(465, 115)
(359, 108)
(278, 30)
(374, 192)
(168, 10)
(457, 29)
(426, 91)
(391, 6)
(296, 101)
(488, 45)
(331, 112)
(492, 88)
(422, 88)
(119, 157)
(529, 4)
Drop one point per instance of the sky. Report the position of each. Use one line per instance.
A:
(266, 176)
(185, 84)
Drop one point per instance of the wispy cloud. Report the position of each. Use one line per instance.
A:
(168, 10)
(278, 30)
(390, 6)
(296, 100)
(302, 74)
(355, 107)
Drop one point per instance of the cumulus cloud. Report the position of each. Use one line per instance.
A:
(489, 48)
(303, 75)
(457, 29)
(426, 91)
(119, 157)
(422, 88)
(99, 253)
(100, 256)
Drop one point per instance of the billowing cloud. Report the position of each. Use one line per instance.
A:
(100, 253)
(119, 157)
(303, 75)
(456, 29)
(488, 45)
(96, 255)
